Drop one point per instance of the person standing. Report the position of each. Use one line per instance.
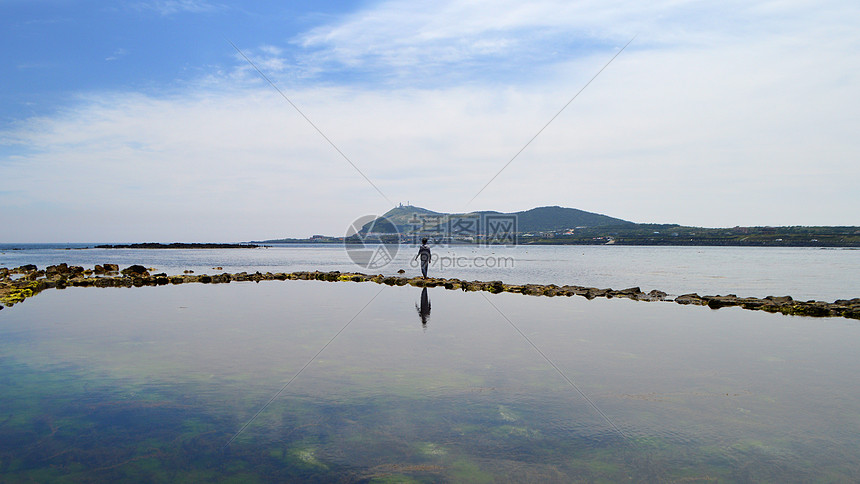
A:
(424, 255)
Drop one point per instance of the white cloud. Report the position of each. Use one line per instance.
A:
(706, 120)
(117, 54)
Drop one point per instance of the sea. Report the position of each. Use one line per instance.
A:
(312, 381)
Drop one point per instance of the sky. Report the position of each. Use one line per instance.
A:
(130, 121)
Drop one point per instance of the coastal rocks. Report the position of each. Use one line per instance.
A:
(780, 300)
(716, 302)
(12, 292)
(33, 281)
(25, 269)
(135, 270)
(691, 298)
(593, 292)
(105, 269)
(63, 270)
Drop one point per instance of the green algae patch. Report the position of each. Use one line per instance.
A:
(19, 291)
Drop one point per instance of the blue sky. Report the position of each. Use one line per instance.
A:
(130, 121)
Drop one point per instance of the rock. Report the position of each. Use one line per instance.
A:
(531, 289)
(495, 287)
(716, 302)
(187, 272)
(104, 282)
(401, 271)
(691, 298)
(135, 270)
(98, 269)
(111, 268)
(753, 303)
(780, 300)
(593, 292)
(52, 271)
(25, 269)
(35, 275)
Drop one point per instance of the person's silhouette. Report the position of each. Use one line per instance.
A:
(424, 309)
(424, 254)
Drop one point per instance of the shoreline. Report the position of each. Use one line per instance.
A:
(31, 281)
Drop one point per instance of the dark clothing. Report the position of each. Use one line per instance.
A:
(424, 255)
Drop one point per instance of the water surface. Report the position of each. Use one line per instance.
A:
(151, 383)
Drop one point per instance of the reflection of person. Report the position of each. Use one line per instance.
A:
(424, 309)
(424, 254)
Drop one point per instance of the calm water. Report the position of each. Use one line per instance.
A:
(149, 384)
(803, 273)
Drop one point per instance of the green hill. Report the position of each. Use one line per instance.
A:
(544, 219)
(552, 225)
(408, 217)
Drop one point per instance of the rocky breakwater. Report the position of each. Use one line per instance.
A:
(22, 282)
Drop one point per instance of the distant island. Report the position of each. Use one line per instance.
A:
(177, 245)
(570, 226)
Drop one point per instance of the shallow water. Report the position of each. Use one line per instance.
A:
(151, 383)
(803, 273)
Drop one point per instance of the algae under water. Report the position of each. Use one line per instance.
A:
(149, 384)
